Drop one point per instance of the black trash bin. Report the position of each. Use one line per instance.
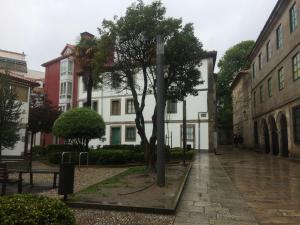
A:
(66, 179)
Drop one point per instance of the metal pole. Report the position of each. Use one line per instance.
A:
(160, 112)
(184, 130)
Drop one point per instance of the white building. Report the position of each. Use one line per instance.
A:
(117, 110)
(16, 65)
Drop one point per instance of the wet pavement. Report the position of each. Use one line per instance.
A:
(238, 187)
(241, 188)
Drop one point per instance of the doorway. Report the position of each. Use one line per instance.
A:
(284, 136)
(266, 137)
(115, 135)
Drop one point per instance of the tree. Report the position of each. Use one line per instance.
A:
(132, 38)
(10, 114)
(234, 60)
(41, 116)
(78, 126)
(85, 52)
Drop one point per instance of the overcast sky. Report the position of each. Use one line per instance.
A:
(41, 28)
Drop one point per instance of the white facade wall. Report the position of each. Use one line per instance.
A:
(195, 106)
(19, 148)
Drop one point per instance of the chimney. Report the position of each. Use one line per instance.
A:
(86, 35)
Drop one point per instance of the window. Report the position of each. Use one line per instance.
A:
(190, 133)
(115, 80)
(253, 70)
(280, 79)
(130, 106)
(66, 67)
(279, 37)
(270, 91)
(269, 51)
(203, 115)
(63, 89)
(296, 120)
(62, 108)
(172, 106)
(63, 67)
(260, 61)
(70, 89)
(296, 67)
(261, 89)
(254, 99)
(115, 107)
(130, 134)
(95, 106)
(293, 18)
(70, 67)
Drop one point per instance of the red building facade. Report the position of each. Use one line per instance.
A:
(61, 85)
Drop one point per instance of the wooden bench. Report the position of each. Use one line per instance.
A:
(5, 180)
(24, 166)
(55, 172)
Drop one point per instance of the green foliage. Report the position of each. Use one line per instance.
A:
(123, 147)
(39, 150)
(183, 53)
(85, 52)
(179, 154)
(134, 39)
(117, 157)
(42, 117)
(62, 148)
(235, 59)
(79, 125)
(10, 113)
(34, 210)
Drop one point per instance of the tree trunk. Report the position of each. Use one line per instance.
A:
(153, 139)
(88, 81)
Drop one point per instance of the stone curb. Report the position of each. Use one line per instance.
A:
(152, 210)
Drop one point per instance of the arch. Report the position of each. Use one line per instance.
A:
(274, 135)
(255, 133)
(266, 137)
(284, 145)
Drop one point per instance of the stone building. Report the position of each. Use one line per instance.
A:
(241, 104)
(275, 72)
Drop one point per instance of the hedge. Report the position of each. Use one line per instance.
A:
(34, 210)
(113, 157)
(39, 150)
(123, 147)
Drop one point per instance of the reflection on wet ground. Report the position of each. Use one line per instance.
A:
(241, 188)
(269, 184)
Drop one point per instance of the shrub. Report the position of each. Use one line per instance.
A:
(34, 210)
(115, 157)
(63, 148)
(123, 147)
(38, 150)
(79, 125)
(178, 154)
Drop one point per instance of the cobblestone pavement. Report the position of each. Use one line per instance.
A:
(210, 198)
(83, 178)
